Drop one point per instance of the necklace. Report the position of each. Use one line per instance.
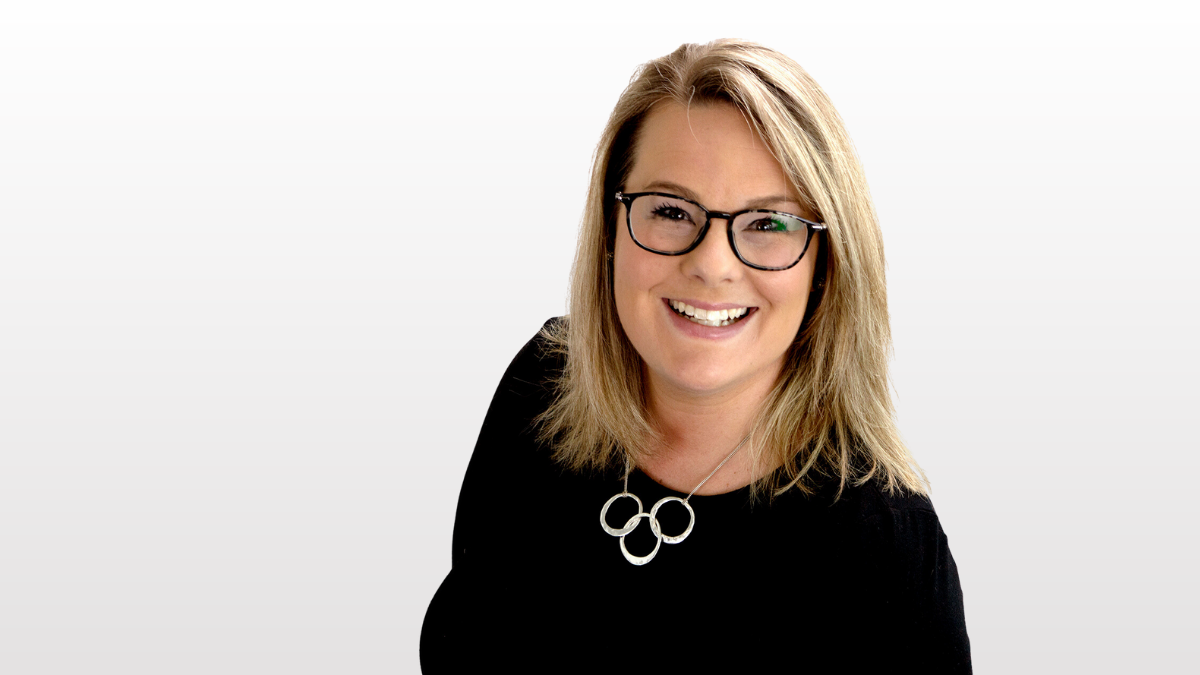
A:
(659, 537)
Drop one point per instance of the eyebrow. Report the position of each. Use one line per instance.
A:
(756, 203)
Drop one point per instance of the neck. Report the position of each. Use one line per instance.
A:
(699, 431)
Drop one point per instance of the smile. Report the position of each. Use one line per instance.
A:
(711, 317)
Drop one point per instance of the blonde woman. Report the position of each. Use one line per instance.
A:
(699, 465)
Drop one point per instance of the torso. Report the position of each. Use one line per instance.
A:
(802, 580)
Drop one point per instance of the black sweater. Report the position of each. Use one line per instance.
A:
(802, 583)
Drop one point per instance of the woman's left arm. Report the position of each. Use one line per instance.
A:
(927, 592)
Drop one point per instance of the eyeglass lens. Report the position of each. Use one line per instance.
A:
(672, 225)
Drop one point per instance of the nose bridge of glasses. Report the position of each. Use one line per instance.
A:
(729, 231)
(725, 244)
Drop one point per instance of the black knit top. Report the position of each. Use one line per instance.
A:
(802, 583)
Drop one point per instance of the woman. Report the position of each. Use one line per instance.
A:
(722, 375)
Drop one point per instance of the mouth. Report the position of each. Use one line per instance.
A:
(713, 317)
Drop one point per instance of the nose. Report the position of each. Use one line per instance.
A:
(713, 260)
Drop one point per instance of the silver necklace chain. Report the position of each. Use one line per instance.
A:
(652, 516)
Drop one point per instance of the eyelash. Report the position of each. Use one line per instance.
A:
(662, 209)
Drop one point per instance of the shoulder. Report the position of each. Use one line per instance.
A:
(898, 522)
(890, 529)
(541, 354)
(918, 579)
(527, 388)
(874, 500)
(506, 450)
(897, 534)
(535, 369)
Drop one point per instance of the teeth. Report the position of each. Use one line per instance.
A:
(716, 317)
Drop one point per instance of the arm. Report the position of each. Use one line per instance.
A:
(924, 590)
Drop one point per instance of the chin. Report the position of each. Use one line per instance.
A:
(702, 380)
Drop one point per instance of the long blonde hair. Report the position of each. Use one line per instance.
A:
(830, 413)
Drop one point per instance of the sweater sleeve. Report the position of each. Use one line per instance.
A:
(473, 593)
(926, 593)
(502, 459)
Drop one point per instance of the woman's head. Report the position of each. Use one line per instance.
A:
(733, 126)
(688, 159)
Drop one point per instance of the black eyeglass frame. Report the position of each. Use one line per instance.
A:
(627, 200)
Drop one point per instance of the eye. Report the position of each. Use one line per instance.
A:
(770, 224)
(670, 212)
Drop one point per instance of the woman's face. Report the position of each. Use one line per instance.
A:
(710, 155)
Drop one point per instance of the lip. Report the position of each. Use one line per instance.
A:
(695, 330)
(707, 306)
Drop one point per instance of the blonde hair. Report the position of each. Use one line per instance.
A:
(830, 413)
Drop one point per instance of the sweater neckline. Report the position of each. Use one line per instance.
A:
(641, 482)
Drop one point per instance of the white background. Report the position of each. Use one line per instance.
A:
(262, 265)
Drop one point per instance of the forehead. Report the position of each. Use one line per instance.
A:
(711, 150)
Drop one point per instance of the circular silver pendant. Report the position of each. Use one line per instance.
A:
(630, 525)
(654, 525)
(658, 540)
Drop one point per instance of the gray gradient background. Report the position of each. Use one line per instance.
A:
(245, 351)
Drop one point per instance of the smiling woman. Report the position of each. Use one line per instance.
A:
(725, 361)
(708, 152)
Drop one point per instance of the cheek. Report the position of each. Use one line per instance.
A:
(626, 283)
(790, 296)
(634, 274)
(620, 275)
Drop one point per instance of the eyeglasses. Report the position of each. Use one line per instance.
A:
(667, 224)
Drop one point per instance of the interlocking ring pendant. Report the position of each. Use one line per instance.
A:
(628, 527)
(655, 527)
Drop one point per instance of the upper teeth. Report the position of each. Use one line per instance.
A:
(708, 314)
